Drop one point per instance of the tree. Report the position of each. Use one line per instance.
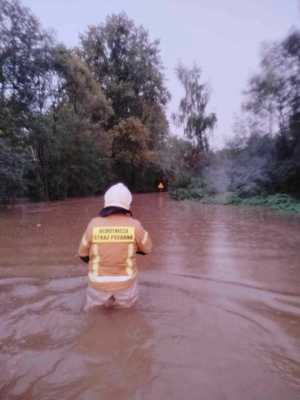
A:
(265, 97)
(127, 65)
(26, 76)
(76, 127)
(69, 118)
(78, 158)
(176, 157)
(25, 67)
(273, 94)
(273, 102)
(130, 150)
(192, 114)
(12, 167)
(79, 88)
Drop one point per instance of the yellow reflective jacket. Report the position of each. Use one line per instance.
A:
(111, 243)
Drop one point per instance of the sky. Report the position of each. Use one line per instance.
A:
(224, 38)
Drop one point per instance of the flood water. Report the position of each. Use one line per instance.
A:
(218, 315)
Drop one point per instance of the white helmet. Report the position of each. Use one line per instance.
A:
(118, 196)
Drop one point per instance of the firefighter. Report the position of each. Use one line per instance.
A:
(109, 245)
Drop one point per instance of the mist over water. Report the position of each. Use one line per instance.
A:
(245, 167)
(218, 314)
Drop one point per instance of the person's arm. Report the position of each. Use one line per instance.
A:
(84, 247)
(143, 240)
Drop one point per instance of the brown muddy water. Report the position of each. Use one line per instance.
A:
(218, 315)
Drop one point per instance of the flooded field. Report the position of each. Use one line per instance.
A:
(218, 315)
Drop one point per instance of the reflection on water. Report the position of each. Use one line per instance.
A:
(218, 315)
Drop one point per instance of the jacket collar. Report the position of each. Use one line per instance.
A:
(106, 211)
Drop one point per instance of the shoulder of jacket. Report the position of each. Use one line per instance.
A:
(135, 222)
(95, 221)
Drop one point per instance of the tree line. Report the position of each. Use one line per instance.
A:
(270, 129)
(74, 120)
(263, 157)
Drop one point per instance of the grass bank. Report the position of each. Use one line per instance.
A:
(280, 201)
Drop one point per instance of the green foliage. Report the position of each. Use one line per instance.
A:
(73, 121)
(25, 65)
(130, 150)
(26, 81)
(273, 104)
(126, 64)
(279, 201)
(177, 160)
(264, 157)
(179, 194)
(192, 193)
(73, 160)
(187, 187)
(181, 181)
(79, 88)
(12, 166)
(154, 118)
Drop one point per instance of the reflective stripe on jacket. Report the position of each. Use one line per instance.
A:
(111, 244)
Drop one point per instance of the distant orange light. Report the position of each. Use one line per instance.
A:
(161, 186)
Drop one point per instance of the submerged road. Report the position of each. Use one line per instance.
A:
(218, 315)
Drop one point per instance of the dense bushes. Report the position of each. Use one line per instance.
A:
(13, 164)
(281, 202)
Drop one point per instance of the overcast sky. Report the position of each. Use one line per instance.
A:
(222, 36)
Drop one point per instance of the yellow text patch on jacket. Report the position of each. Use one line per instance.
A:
(113, 234)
